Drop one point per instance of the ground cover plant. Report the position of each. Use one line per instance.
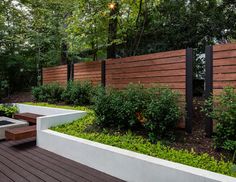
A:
(87, 128)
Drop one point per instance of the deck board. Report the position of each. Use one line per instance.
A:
(22, 161)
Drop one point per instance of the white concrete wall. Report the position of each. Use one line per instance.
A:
(123, 164)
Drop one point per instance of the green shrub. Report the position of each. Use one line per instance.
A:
(50, 93)
(8, 110)
(224, 112)
(121, 109)
(78, 93)
(110, 110)
(156, 108)
(162, 113)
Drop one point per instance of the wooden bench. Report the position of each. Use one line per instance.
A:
(30, 117)
(23, 132)
(20, 133)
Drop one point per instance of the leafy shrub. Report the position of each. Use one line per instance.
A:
(110, 110)
(224, 112)
(8, 110)
(162, 113)
(78, 93)
(157, 109)
(50, 93)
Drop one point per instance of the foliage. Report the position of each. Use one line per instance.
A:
(133, 142)
(120, 109)
(3, 88)
(48, 93)
(155, 108)
(39, 33)
(224, 112)
(8, 110)
(162, 113)
(78, 93)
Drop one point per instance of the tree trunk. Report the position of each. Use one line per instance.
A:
(64, 49)
(112, 31)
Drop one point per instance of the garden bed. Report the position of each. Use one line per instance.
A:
(84, 128)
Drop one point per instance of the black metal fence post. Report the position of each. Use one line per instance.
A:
(72, 71)
(68, 72)
(209, 86)
(189, 90)
(103, 73)
(41, 75)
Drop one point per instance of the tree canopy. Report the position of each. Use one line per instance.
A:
(36, 33)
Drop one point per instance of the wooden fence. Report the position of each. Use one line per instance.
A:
(220, 72)
(57, 74)
(167, 68)
(172, 69)
(224, 67)
(90, 71)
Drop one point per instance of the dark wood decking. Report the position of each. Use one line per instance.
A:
(22, 161)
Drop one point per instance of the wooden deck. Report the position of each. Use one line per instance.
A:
(22, 161)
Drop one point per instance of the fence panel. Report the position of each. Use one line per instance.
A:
(224, 67)
(90, 71)
(167, 68)
(220, 72)
(57, 74)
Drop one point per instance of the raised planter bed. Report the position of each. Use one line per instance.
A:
(123, 164)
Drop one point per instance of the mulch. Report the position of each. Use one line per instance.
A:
(197, 141)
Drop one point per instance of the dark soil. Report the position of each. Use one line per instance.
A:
(18, 97)
(197, 141)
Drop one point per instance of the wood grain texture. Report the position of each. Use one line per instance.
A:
(167, 69)
(224, 67)
(22, 161)
(55, 74)
(90, 71)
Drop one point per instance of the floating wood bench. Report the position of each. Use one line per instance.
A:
(23, 132)
(20, 133)
(30, 117)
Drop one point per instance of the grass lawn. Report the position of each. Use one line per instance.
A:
(84, 128)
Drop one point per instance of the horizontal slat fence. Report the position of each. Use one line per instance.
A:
(224, 67)
(90, 71)
(220, 72)
(55, 74)
(167, 68)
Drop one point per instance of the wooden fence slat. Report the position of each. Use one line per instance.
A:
(222, 84)
(224, 77)
(224, 54)
(119, 64)
(224, 62)
(223, 47)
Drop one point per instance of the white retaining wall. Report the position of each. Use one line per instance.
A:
(123, 164)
